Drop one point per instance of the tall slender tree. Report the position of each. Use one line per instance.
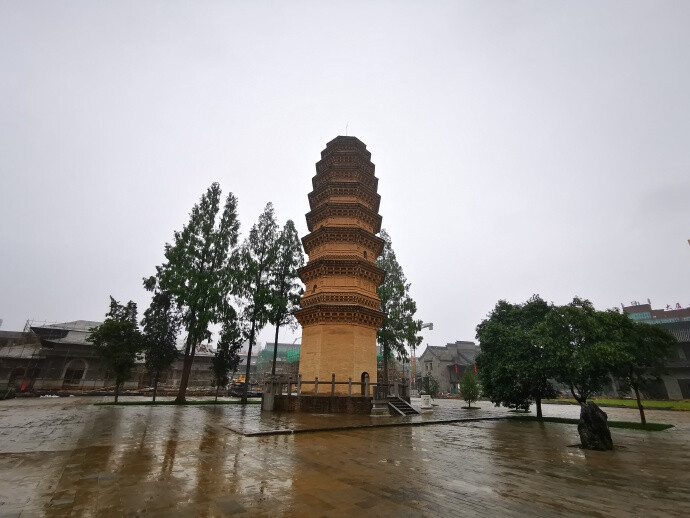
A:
(469, 386)
(118, 340)
(643, 358)
(399, 326)
(227, 357)
(161, 325)
(200, 270)
(258, 259)
(286, 287)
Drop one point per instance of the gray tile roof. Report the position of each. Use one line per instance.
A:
(22, 351)
(75, 332)
(460, 353)
(76, 325)
(72, 337)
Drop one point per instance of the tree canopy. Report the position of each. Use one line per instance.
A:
(522, 346)
(200, 271)
(514, 365)
(286, 287)
(584, 345)
(258, 258)
(430, 385)
(118, 340)
(643, 358)
(161, 325)
(399, 327)
(227, 358)
(469, 387)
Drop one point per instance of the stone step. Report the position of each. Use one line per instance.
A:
(401, 406)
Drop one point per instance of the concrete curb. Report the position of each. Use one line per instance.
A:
(286, 431)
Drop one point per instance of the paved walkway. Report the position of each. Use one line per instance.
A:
(251, 421)
(66, 457)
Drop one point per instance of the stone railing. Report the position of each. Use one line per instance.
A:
(288, 386)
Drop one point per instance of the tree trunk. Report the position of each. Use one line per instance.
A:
(249, 361)
(217, 389)
(537, 401)
(155, 386)
(117, 390)
(385, 364)
(186, 371)
(639, 404)
(275, 350)
(577, 398)
(413, 368)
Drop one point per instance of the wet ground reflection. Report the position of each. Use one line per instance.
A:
(70, 458)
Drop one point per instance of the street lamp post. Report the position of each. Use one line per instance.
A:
(427, 325)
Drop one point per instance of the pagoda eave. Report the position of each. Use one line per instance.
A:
(340, 298)
(352, 235)
(354, 190)
(339, 314)
(352, 268)
(344, 210)
(341, 144)
(345, 175)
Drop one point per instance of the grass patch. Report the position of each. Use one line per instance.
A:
(631, 403)
(169, 403)
(650, 427)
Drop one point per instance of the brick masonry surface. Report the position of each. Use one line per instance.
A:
(323, 404)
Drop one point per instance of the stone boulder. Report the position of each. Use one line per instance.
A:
(594, 429)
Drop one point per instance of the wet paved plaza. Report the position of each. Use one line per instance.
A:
(67, 457)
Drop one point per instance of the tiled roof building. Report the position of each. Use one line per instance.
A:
(448, 363)
(58, 357)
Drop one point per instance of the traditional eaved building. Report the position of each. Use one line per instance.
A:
(447, 364)
(54, 357)
(340, 309)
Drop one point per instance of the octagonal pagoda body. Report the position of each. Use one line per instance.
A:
(340, 309)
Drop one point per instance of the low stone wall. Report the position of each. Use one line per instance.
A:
(323, 404)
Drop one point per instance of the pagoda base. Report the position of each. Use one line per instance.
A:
(344, 349)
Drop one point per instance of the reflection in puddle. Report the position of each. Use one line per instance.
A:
(184, 460)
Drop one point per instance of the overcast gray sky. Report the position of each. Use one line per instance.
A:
(522, 146)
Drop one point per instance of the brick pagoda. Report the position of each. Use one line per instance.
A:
(340, 309)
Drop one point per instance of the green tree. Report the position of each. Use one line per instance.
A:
(399, 326)
(227, 358)
(643, 357)
(430, 385)
(258, 258)
(584, 344)
(286, 287)
(118, 340)
(469, 386)
(161, 324)
(200, 271)
(514, 364)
